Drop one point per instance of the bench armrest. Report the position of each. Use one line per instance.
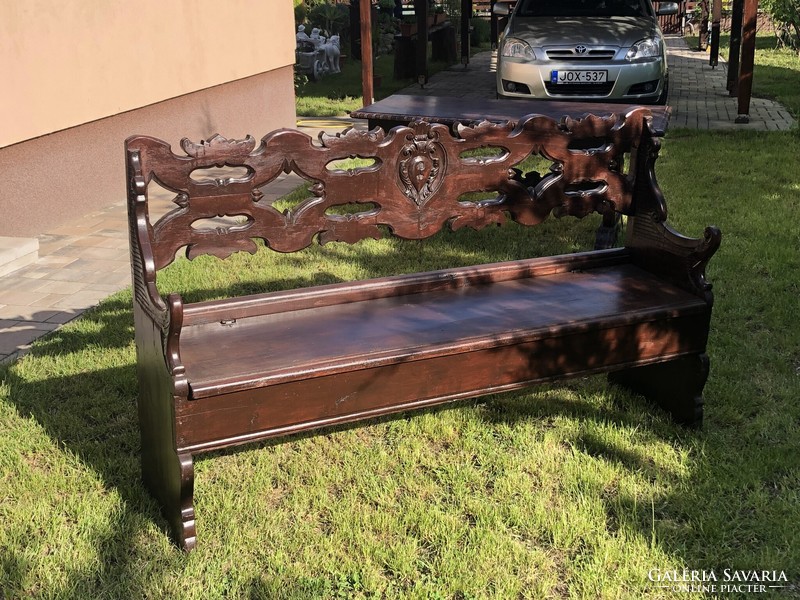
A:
(143, 268)
(172, 346)
(165, 317)
(655, 245)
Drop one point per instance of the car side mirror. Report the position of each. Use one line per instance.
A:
(665, 8)
(501, 9)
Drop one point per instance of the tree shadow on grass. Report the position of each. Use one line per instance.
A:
(88, 407)
(91, 413)
(79, 384)
(727, 506)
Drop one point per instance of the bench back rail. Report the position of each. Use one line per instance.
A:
(430, 170)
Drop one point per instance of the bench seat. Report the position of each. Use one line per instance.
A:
(354, 357)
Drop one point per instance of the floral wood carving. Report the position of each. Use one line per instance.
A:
(219, 149)
(431, 169)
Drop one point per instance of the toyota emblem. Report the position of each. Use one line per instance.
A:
(581, 49)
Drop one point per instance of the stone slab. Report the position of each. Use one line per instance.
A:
(17, 252)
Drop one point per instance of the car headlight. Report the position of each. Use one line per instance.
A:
(646, 48)
(516, 48)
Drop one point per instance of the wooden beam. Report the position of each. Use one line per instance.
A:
(466, 13)
(748, 60)
(716, 15)
(735, 46)
(421, 11)
(702, 34)
(367, 89)
(494, 32)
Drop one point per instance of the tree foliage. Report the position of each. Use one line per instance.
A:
(786, 16)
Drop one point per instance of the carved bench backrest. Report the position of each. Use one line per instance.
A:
(414, 185)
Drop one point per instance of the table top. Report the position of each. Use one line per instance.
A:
(449, 109)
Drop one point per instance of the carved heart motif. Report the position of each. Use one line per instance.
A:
(421, 171)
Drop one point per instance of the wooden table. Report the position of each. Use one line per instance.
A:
(401, 109)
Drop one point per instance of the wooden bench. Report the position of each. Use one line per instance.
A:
(215, 374)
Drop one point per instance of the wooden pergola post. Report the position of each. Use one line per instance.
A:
(735, 46)
(702, 34)
(716, 15)
(493, 33)
(745, 89)
(367, 89)
(466, 13)
(421, 11)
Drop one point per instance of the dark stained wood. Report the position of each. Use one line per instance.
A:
(421, 47)
(745, 86)
(385, 287)
(227, 372)
(716, 16)
(404, 327)
(675, 385)
(367, 74)
(417, 180)
(344, 397)
(401, 109)
(466, 15)
(735, 46)
(167, 474)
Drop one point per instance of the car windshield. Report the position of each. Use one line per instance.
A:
(583, 8)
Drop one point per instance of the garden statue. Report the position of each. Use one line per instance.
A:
(301, 36)
(332, 53)
(317, 38)
(316, 55)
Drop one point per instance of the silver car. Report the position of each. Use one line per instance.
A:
(596, 50)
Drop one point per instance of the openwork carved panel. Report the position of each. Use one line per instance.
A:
(413, 186)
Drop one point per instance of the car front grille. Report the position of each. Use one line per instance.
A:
(589, 54)
(579, 89)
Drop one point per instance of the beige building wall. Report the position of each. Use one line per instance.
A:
(80, 77)
(68, 63)
(59, 177)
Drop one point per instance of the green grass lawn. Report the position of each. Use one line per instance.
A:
(574, 490)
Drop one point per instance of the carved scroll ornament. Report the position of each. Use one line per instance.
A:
(432, 169)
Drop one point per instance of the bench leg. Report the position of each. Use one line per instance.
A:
(182, 515)
(608, 232)
(167, 474)
(676, 386)
(170, 480)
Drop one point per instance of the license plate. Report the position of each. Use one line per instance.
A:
(560, 77)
